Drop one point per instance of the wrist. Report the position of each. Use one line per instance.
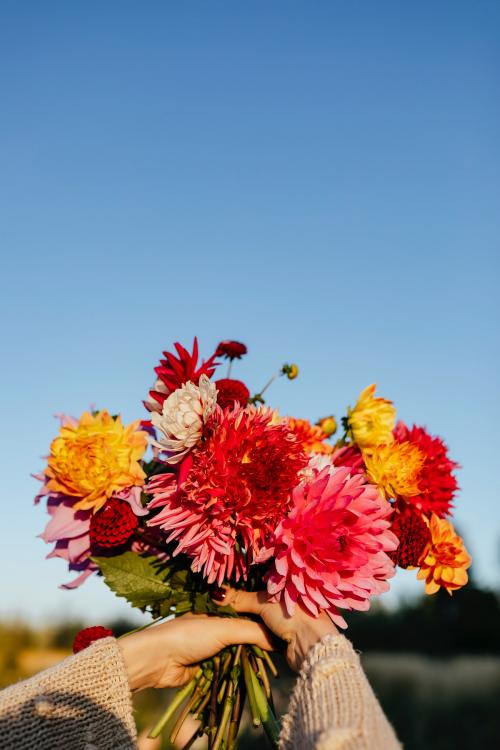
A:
(135, 658)
(305, 635)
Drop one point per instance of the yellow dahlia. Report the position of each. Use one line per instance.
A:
(394, 468)
(445, 560)
(372, 420)
(311, 436)
(94, 458)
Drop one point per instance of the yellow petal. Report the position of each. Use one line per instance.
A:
(431, 587)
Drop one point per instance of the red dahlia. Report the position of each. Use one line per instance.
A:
(231, 350)
(174, 371)
(229, 391)
(350, 456)
(436, 480)
(88, 635)
(237, 487)
(413, 534)
(113, 525)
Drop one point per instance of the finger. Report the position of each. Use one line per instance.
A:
(243, 601)
(245, 631)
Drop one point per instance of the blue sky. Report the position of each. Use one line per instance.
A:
(319, 180)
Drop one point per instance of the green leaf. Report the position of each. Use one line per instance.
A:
(138, 579)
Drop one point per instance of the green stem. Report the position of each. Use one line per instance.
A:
(269, 382)
(202, 706)
(227, 706)
(247, 673)
(212, 715)
(189, 707)
(267, 658)
(200, 694)
(226, 714)
(263, 676)
(141, 627)
(267, 717)
(222, 689)
(178, 700)
(237, 713)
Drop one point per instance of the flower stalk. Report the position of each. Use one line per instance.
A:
(179, 699)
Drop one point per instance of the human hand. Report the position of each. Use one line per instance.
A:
(166, 655)
(301, 631)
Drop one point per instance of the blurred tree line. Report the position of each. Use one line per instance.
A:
(466, 622)
(442, 625)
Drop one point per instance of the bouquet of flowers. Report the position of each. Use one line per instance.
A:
(216, 487)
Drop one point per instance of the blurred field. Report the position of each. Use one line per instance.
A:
(439, 704)
(434, 702)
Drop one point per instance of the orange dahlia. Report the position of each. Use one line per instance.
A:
(94, 458)
(237, 486)
(394, 468)
(311, 436)
(445, 560)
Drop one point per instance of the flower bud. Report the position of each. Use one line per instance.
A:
(291, 371)
(328, 425)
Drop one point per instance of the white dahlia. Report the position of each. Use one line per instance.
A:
(183, 415)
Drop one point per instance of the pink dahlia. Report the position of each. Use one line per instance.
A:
(330, 552)
(68, 529)
(232, 491)
(436, 480)
(174, 371)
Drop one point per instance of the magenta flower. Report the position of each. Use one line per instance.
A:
(330, 551)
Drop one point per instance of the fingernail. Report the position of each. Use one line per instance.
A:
(218, 594)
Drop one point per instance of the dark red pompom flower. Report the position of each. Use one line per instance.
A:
(436, 479)
(88, 635)
(229, 391)
(113, 525)
(231, 350)
(413, 534)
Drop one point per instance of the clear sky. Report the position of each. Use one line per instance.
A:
(317, 179)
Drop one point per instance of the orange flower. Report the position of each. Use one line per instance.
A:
(94, 458)
(311, 436)
(445, 560)
(394, 468)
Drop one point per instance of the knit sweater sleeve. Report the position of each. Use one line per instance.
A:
(333, 706)
(82, 703)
